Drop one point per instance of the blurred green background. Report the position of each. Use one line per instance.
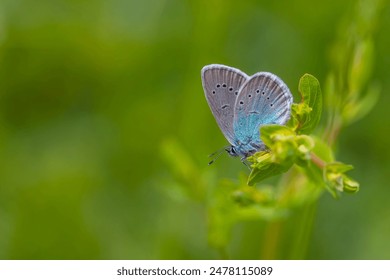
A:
(92, 93)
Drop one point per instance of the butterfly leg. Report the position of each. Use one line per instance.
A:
(246, 163)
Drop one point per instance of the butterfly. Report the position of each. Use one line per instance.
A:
(241, 104)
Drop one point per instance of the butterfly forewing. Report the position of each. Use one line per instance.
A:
(264, 99)
(221, 85)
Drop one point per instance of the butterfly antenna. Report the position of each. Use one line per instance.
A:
(217, 154)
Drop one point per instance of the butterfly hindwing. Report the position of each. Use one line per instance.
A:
(221, 85)
(263, 99)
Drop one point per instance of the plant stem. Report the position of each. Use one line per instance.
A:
(271, 241)
(317, 161)
(304, 227)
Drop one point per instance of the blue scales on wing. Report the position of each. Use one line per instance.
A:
(263, 99)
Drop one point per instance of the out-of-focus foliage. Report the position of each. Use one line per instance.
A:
(104, 130)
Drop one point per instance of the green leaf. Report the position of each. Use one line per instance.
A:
(265, 171)
(322, 150)
(280, 140)
(271, 133)
(264, 167)
(308, 112)
(354, 111)
(361, 66)
(305, 145)
(350, 186)
(338, 167)
(336, 180)
(285, 149)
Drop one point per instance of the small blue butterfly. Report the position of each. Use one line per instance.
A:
(241, 104)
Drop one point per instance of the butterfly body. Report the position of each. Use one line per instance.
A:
(241, 104)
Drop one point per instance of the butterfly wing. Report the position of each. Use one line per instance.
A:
(221, 86)
(263, 99)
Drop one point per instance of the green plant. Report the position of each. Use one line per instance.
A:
(300, 157)
(292, 145)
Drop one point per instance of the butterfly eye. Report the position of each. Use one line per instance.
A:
(224, 85)
(230, 89)
(241, 102)
(218, 85)
(249, 95)
(257, 91)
